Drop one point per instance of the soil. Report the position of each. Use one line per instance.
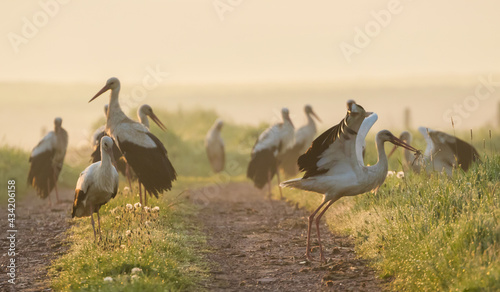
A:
(39, 240)
(258, 244)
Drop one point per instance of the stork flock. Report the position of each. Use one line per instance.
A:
(332, 164)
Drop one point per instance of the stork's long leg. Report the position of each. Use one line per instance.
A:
(140, 192)
(92, 220)
(55, 186)
(279, 180)
(127, 174)
(311, 219)
(269, 184)
(323, 259)
(145, 197)
(99, 224)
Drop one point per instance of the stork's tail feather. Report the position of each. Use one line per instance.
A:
(262, 167)
(41, 174)
(293, 183)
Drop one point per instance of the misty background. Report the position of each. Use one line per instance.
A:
(247, 59)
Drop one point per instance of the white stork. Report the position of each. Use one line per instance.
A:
(303, 139)
(47, 161)
(334, 165)
(443, 152)
(97, 184)
(214, 146)
(144, 152)
(272, 143)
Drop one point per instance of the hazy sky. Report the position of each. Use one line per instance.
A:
(279, 40)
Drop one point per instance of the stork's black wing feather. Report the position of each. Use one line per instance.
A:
(308, 161)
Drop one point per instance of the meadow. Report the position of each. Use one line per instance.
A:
(424, 232)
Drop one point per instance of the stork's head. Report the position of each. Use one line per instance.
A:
(112, 83)
(386, 136)
(309, 111)
(146, 110)
(406, 136)
(218, 124)
(57, 123)
(285, 113)
(107, 145)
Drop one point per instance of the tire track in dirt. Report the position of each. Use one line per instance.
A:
(259, 245)
(40, 236)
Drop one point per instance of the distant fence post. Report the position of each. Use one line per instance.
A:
(407, 118)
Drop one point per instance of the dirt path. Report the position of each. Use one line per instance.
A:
(259, 245)
(40, 234)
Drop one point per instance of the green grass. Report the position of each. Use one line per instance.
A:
(428, 233)
(162, 244)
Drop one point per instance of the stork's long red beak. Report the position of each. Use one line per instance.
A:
(399, 142)
(158, 122)
(104, 89)
(316, 116)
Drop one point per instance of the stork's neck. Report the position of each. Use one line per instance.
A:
(115, 111)
(105, 159)
(382, 164)
(310, 121)
(143, 118)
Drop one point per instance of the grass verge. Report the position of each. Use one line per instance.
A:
(162, 244)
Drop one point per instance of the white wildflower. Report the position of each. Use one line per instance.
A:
(390, 173)
(137, 205)
(108, 279)
(400, 174)
(126, 190)
(147, 209)
(156, 209)
(136, 271)
(129, 206)
(134, 278)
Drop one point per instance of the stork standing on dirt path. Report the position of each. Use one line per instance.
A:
(304, 136)
(334, 165)
(214, 146)
(266, 152)
(97, 184)
(443, 152)
(46, 161)
(144, 152)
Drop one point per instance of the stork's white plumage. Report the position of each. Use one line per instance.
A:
(272, 143)
(304, 136)
(46, 161)
(144, 152)
(333, 165)
(97, 184)
(443, 152)
(214, 146)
